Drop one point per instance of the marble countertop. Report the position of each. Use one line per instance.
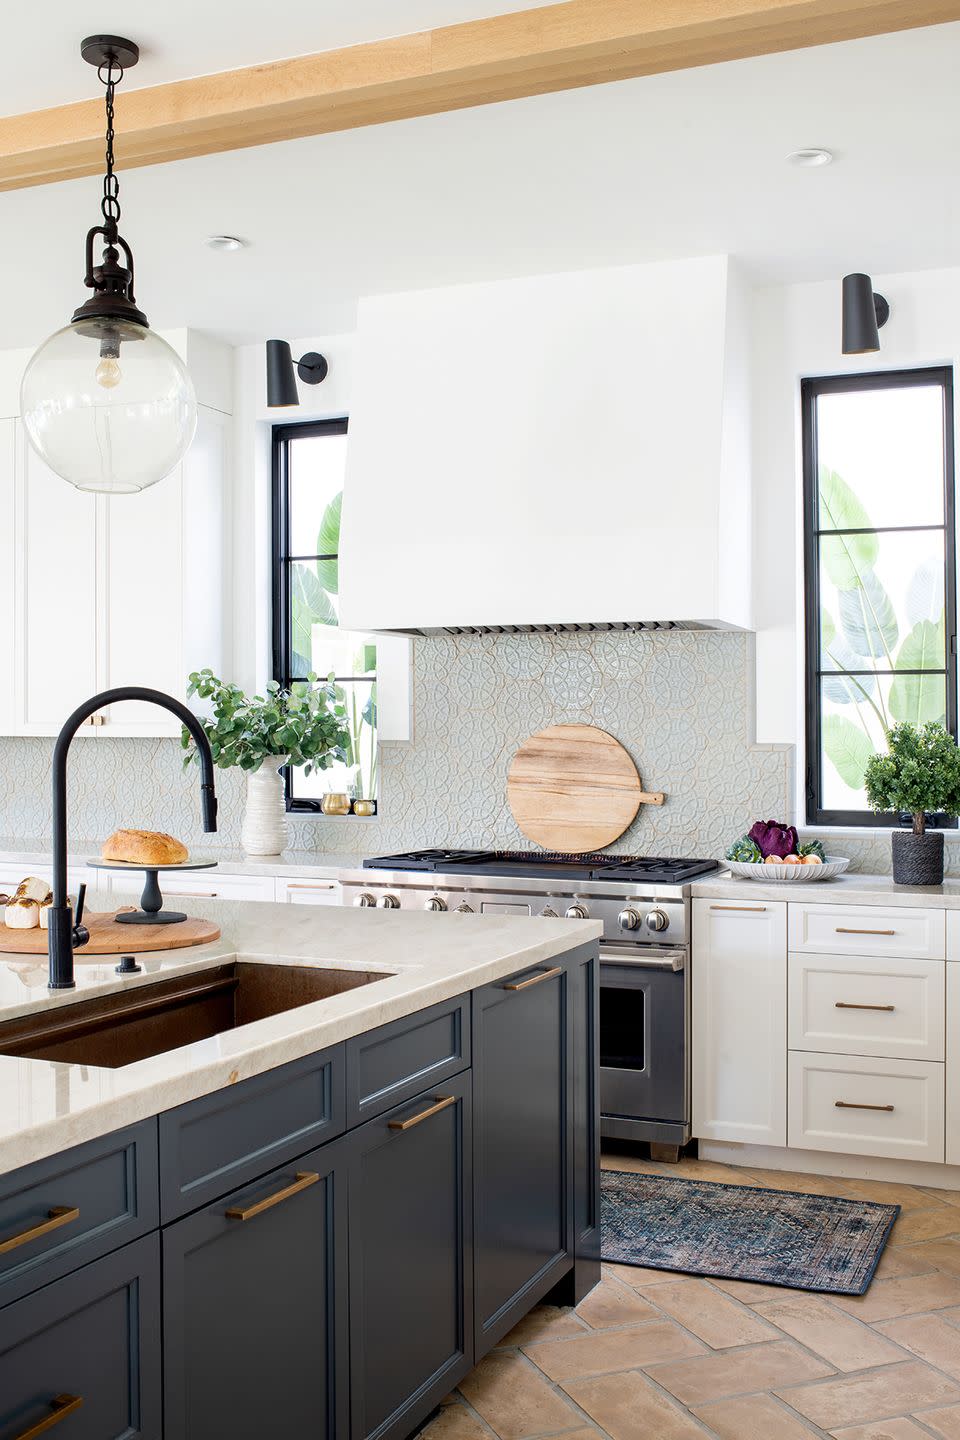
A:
(845, 889)
(48, 1106)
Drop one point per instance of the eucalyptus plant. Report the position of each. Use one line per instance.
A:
(304, 726)
(919, 774)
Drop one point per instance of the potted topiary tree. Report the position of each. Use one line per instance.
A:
(919, 775)
(304, 725)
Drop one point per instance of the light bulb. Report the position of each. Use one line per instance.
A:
(109, 373)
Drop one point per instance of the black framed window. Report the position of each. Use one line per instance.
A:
(880, 582)
(309, 461)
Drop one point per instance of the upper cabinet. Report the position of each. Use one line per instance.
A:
(103, 591)
(553, 449)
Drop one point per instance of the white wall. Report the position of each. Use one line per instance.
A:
(796, 333)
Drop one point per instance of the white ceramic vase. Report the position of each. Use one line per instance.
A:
(264, 829)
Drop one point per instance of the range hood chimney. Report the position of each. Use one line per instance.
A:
(564, 452)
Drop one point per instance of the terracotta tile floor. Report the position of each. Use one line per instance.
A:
(651, 1355)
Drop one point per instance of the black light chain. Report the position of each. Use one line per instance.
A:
(110, 204)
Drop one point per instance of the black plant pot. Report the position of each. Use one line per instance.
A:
(917, 859)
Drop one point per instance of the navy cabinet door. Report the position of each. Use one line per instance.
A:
(523, 1139)
(410, 1272)
(254, 1309)
(81, 1357)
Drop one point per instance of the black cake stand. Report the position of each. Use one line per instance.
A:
(151, 910)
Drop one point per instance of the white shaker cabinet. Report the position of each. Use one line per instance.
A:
(740, 1021)
(114, 590)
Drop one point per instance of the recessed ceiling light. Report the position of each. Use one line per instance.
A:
(225, 242)
(810, 159)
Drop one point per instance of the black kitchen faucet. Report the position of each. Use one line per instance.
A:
(64, 935)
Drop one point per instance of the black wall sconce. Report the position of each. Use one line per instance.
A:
(281, 380)
(863, 314)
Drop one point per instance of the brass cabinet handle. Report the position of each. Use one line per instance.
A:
(535, 979)
(194, 894)
(305, 1178)
(852, 1105)
(851, 1005)
(59, 1215)
(756, 908)
(849, 930)
(60, 1407)
(331, 885)
(440, 1103)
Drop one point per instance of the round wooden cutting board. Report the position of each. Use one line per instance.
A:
(109, 938)
(574, 788)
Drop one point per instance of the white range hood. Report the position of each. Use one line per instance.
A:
(558, 451)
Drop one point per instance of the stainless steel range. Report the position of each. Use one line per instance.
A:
(644, 905)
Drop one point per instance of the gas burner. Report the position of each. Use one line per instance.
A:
(597, 866)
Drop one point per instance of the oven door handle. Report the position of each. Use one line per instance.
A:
(648, 958)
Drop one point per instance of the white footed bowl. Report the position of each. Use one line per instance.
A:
(833, 865)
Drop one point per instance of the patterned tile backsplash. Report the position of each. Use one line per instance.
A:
(681, 703)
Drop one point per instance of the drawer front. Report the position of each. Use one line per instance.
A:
(81, 1357)
(204, 884)
(11, 873)
(856, 1005)
(867, 930)
(63, 1212)
(210, 1146)
(890, 1108)
(397, 1061)
(308, 892)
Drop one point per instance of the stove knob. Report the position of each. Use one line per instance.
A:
(435, 903)
(577, 912)
(388, 902)
(365, 901)
(629, 919)
(464, 909)
(548, 913)
(658, 920)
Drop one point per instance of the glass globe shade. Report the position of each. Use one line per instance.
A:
(108, 405)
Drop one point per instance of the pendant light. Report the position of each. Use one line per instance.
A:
(863, 315)
(107, 403)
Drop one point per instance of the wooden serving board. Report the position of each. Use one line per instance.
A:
(574, 788)
(109, 938)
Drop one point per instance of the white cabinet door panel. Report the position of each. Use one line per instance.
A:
(953, 1065)
(740, 1021)
(56, 640)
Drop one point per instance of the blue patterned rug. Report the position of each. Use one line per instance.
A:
(740, 1232)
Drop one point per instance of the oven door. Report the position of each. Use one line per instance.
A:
(643, 1039)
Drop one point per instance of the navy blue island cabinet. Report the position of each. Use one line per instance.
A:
(322, 1251)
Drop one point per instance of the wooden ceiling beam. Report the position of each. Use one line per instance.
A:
(532, 52)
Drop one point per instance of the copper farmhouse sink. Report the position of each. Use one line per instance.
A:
(115, 1030)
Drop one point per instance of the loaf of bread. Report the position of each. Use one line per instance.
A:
(144, 847)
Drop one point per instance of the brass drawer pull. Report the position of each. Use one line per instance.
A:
(849, 930)
(851, 1105)
(60, 1407)
(331, 886)
(191, 894)
(535, 979)
(305, 1178)
(60, 1215)
(851, 1005)
(440, 1103)
(756, 908)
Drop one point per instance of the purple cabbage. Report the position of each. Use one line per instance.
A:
(774, 838)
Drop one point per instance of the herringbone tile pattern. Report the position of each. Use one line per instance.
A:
(655, 1356)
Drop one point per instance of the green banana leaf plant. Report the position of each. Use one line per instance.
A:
(866, 635)
(313, 586)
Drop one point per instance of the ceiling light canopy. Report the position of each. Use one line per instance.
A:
(811, 159)
(107, 403)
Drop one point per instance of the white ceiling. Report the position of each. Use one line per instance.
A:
(182, 38)
(671, 165)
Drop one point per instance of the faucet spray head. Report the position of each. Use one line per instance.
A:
(208, 807)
